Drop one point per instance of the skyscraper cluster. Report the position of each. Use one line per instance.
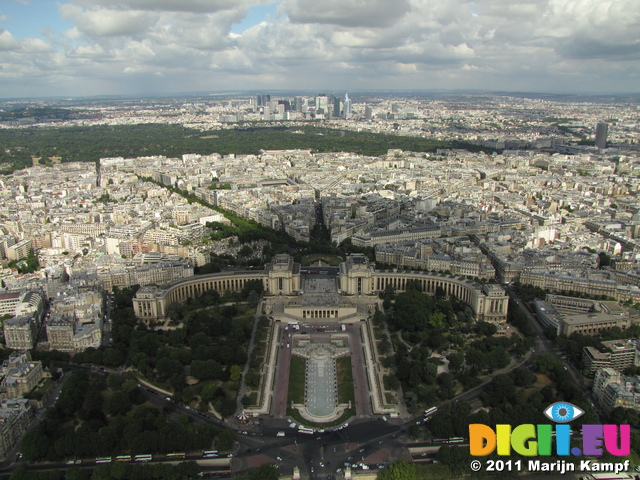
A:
(322, 105)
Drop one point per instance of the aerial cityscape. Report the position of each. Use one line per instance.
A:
(271, 298)
(296, 239)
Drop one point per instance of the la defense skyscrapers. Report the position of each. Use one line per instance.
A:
(602, 129)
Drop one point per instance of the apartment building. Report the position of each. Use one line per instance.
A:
(19, 375)
(15, 415)
(618, 354)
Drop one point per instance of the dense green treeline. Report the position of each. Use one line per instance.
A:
(421, 325)
(44, 114)
(208, 342)
(131, 471)
(95, 416)
(88, 144)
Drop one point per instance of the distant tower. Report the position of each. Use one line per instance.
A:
(337, 107)
(346, 108)
(602, 129)
(321, 103)
(368, 112)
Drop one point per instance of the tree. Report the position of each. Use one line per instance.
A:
(208, 392)
(456, 458)
(485, 328)
(436, 320)
(167, 367)
(252, 285)
(500, 390)
(225, 440)
(112, 357)
(429, 372)
(391, 382)
(175, 311)
(400, 470)
(115, 381)
(236, 373)
(119, 404)
(252, 379)
(621, 415)
(523, 377)
(253, 298)
(605, 259)
(456, 360)
(268, 471)
(35, 444)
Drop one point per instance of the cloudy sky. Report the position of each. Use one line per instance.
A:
(102, 47)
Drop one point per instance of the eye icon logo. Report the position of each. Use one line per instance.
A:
(562, 412)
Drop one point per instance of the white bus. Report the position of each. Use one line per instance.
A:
(607, 476)
(123, 458)
(176, 455)
(305, 430)
(430, 411)
(455, 440)
(142, 458)
(103, 460)
(210, 453)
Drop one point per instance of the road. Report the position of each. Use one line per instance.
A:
(544, 345)
(283, 367)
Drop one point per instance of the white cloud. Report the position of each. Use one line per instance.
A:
(347, 13)
(94, 51)
(106, 23)
(8, 41)
(195, 6)
(36, 45)
(188, 44)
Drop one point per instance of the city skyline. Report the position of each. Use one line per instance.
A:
(148, 47)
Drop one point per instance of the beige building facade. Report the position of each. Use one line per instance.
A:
(356, 276)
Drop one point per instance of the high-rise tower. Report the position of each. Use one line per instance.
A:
(321, 103)
(346, 108)
(337, 107)
(602, 129)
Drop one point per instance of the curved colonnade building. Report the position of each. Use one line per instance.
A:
(356, 277)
